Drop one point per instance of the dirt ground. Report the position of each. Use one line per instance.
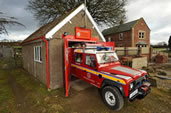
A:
(21, 93)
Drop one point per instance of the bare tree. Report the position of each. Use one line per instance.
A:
(109, 12)
(7, 21)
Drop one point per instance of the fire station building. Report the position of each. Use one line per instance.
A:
(43, 50)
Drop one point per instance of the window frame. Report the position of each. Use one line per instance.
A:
(89, 65)
(86, 59)
(121, 36)
(140, 34)
(38, 54)
(109, 39)
(80, 59)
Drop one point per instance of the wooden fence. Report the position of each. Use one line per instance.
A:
(133, 51)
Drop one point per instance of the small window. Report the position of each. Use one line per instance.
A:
(37, 53)
(109, 39)
(141, 35)
(121, 36)
(78, 57)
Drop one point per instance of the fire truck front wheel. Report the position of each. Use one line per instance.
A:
(112, 98)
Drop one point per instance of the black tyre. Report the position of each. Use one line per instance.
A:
(112, 98)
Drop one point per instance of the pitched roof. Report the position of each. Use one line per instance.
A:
(120, 28)
(43, 30)
(50, 28)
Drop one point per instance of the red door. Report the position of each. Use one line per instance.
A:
(91, 69)
(77, 64)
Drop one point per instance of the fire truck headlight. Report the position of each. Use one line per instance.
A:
(146, 77)
(131, 85)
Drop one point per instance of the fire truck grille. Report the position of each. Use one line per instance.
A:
(139, 82)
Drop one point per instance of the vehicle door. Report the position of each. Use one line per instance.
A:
(77, 65)
(90, 69)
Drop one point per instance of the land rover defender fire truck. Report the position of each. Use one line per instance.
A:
(99, 65)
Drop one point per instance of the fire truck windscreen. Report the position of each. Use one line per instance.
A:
(106, 57)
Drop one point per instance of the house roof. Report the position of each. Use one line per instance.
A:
(51, 28)
(120, 28)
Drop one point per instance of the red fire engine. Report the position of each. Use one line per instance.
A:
(98, 64)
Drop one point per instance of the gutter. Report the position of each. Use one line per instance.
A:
(31, 40)
(47, 59)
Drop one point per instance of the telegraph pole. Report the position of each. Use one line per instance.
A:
(85, 13)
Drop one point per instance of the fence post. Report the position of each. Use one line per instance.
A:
(139, 51)
(126, 51)
(151, 52)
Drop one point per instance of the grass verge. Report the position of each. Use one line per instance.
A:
(6, 95)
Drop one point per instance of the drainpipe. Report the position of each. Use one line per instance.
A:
(47, 60)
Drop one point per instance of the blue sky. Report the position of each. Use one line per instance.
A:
(157, 14)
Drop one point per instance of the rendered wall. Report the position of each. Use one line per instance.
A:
(37, 69)
(56, 63)
(77, 21)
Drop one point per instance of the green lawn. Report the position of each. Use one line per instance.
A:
(33, 89)
(6, 95)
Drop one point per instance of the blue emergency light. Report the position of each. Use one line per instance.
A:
(102, 48)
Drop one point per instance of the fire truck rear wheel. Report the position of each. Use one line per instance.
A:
(112, 98)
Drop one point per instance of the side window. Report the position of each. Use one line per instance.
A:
(38, 53)
(90, 60)
(141, 34)
(87, 60)
(78, 57)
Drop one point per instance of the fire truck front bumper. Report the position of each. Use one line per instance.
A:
(141, 92)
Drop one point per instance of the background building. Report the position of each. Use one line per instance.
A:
(132, 34)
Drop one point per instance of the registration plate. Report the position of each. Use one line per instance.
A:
(133, 93)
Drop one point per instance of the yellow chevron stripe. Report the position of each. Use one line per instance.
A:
(103, 75)
(113, 78)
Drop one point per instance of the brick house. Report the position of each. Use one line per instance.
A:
(43, 50)
(132, 34)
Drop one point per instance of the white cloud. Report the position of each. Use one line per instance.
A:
(15, 36)
(156, 13)
(16, 9)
